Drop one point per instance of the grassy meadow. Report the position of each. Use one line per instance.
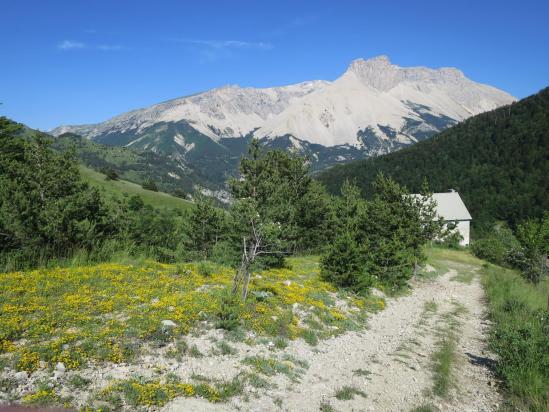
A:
(115, 188)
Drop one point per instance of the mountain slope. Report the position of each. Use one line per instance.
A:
(119, 188)
(228, 111)
(375, 107)
(394, 103)
(498, 161)
(136, 165)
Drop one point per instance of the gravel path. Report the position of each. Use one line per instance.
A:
(390, 361)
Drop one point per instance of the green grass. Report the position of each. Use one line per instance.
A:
(258, 382)
(123, 187)
(347, 393)
(465, 276)
(361, 372)
(280, 343)
(443, 259)
(310, 337)
(444, 357)
(268, 366)
(225, 349)
(326, 407)
(195, 352)
(426, 407)
(443, 361)
(520, 336)
(430, 306)
(292, 367)
(79, 382)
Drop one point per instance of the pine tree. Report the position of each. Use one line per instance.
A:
(205, 226)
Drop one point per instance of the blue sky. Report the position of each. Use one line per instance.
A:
(71, 62)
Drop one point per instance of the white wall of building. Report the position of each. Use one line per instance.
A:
(463, 228)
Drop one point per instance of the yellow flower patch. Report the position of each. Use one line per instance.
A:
(74, 315)
(7, 346)
(41, 397)
(156, 393)
(28, 361)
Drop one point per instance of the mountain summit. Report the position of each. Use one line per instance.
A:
(382, 75)
(375, 107)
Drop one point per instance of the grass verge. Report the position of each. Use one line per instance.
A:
(519, 336)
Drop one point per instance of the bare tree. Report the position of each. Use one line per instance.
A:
(259, 237)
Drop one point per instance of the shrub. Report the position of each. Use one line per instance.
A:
(179, 193)
(451, 240)
(110, 174)
(533, 236)
(225, 253)
(344, 264)
(149, 184)
(497, 246)
(229, 312)
(205, 268)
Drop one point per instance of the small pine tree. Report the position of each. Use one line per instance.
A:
(533, 236)
(149, 184)
(180, 193)
(135, 203)
(345, 265)
(205, 225)
(110, 174)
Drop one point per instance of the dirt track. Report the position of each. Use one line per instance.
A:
(390, 362)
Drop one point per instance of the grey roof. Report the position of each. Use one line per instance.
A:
(451, 207)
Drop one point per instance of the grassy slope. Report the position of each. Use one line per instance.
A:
(122, 187)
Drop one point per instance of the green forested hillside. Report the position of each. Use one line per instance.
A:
(498, 161)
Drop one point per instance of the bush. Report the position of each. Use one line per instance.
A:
(533, 236)
(497, 246)
(525, 252)
(452, 240)
(229, 312)
(179, 193)
(205, 268)
(344, 264)
(110, 174)
(225, 253)
(150, 184)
